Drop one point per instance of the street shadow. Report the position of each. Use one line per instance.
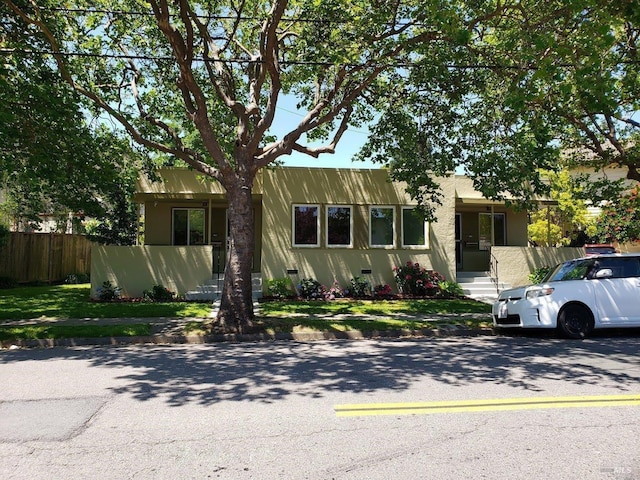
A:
(268, 372)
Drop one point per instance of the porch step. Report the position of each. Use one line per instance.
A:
(211, 290)
(479, 286)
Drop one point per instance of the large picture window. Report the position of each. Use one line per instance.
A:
(414, 229)
(188, 226)
(306, 226)
(381, 226)
(339, 226)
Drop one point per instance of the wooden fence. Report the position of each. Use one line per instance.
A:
(44, 257)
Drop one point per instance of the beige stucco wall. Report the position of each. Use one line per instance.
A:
(182, 183)
(359, 188)
(135, 269)
(516, 263)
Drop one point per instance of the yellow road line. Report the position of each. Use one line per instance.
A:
(423, 408)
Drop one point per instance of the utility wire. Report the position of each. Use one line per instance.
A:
(210, 17)
(113, 56)
(455, 66)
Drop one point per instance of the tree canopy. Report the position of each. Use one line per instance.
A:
(51, 159)
(550, 83)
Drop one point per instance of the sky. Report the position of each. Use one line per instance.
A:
(287, 118)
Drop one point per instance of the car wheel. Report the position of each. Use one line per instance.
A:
(575, 321)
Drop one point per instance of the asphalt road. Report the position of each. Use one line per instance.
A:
(457, 408)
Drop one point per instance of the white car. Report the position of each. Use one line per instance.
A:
(600, 291)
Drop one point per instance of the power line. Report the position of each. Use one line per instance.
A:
(455, 66)
(86, 11)
(151, 14)
(121, 56)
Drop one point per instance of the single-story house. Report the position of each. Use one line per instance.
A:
(325, 224)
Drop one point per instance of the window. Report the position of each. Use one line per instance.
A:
(381, 226)
(621, 267)
(306, 226)
(498, 230)
(414, 229)
(188, 226)
(339, 226)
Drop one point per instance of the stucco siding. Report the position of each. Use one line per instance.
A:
(516, 263)
(135, 269)
(359, 189)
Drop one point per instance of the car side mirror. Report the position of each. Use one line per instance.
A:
(604, 273)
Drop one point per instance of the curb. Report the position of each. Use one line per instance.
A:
(163, 339)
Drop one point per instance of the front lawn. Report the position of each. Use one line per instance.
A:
(34, 332)
(73, 301)
(375, 307)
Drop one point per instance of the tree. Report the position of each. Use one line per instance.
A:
(51, 159)
(620, 219)
(568, 222)
(201, 80)
(551, 77)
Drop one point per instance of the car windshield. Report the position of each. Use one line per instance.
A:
(573, 270)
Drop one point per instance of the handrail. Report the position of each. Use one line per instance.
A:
(493, 271)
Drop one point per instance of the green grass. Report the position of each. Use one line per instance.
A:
(34, 332)
(72, 301)
(368, 307)
(309, 324)
(293, 317)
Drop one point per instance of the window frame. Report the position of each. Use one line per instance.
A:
(293, 225)
(425, 246)
(173, 226)
(326, 226)
(393, 227)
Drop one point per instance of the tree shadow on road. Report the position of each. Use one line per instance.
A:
(268, 372)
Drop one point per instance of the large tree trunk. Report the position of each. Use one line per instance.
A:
(236, 306)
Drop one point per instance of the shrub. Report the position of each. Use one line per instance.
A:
(335, 291)
(451, 289)
(359, 287)
(77, 278)
(310, 289)
(158, 293)
(279, 287)
(108, 292)
(382, 291)
(8, 282)
(538, 274)
(413, 279)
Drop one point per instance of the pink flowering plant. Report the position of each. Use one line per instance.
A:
(334, 291)
(382, 291)
(412, 279)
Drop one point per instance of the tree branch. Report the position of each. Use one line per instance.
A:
(179, 151)
(188, 84)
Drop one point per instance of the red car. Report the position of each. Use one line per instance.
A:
(597, 249)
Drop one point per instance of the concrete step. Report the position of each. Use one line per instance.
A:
(479, 286)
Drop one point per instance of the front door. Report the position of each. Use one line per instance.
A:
(458, 241)
(219, 229)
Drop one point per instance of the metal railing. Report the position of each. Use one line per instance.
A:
(493, 271)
